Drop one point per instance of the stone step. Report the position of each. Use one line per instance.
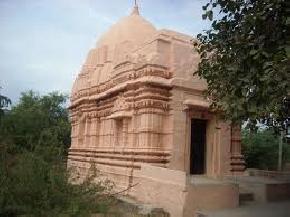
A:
(245, 196)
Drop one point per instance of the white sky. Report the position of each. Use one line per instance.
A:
(43, 43)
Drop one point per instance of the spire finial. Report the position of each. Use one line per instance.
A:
(135, 9)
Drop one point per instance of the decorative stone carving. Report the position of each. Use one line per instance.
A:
(120, 104)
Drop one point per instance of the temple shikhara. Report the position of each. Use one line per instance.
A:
(139, 114)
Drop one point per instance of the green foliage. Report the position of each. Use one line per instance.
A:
(37, 120)
(261, 149)
(34, 180)
(244, 59)
(36, 184)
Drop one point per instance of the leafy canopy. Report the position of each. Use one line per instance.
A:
(244, 58)
(37, 120)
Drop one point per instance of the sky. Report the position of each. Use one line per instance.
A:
(43, 43)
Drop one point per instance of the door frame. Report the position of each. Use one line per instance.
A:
(203, 114)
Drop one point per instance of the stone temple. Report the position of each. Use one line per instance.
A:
(139, 114)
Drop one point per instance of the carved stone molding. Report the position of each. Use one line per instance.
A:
(120, 104)
(144, 71)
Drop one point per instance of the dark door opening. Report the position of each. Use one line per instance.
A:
(198, 146)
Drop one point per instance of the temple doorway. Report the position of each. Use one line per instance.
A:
(198, 146)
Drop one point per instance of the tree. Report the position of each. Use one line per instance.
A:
(37, 120)
(34, 180)
(244, 58)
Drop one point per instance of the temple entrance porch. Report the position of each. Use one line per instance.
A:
(208, 143)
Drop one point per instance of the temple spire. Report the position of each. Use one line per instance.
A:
(135, 9)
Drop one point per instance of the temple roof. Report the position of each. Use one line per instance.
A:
(133, 28)
(131, 40)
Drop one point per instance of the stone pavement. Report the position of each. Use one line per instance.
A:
(277, 209)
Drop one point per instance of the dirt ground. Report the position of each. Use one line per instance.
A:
(123, 209)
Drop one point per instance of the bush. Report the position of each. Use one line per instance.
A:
(36, 184)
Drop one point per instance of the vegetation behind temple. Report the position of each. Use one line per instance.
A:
(37, 121)
(261, 149)
(34, 139)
